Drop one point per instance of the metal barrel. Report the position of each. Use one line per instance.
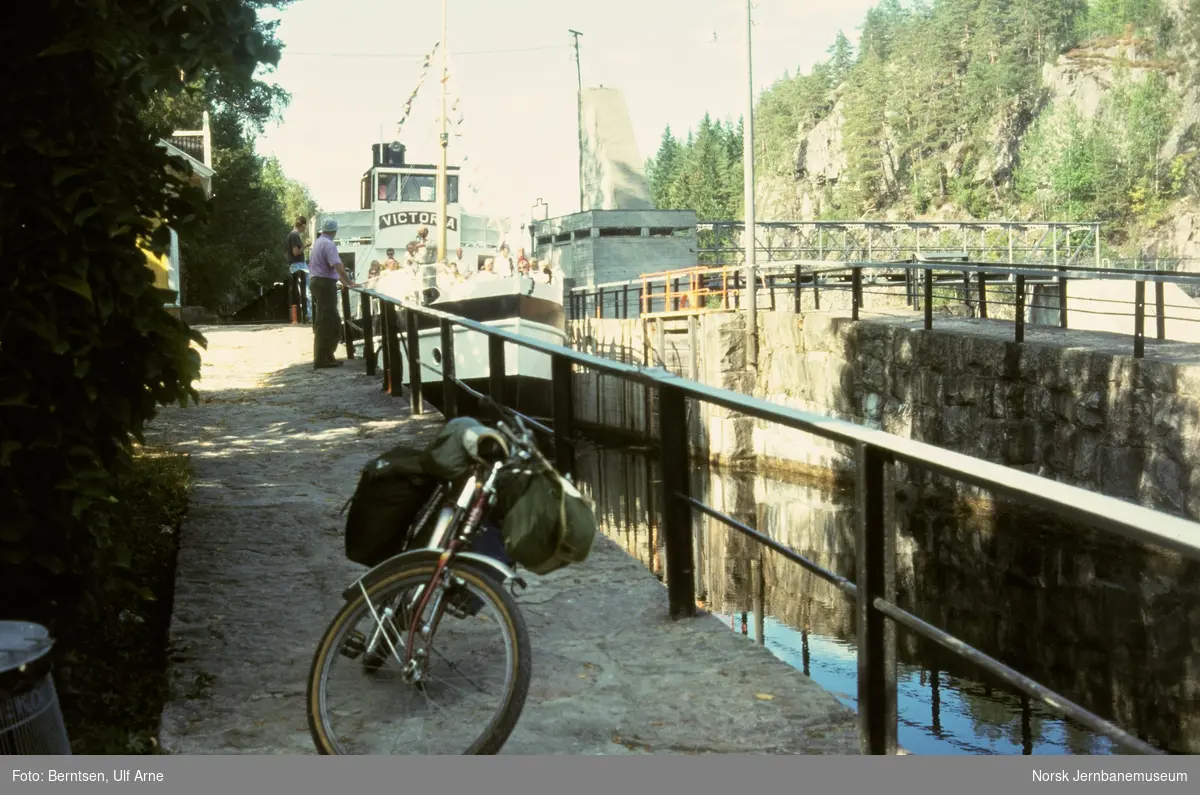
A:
(31, 722)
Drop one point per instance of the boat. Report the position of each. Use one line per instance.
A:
(397, 198)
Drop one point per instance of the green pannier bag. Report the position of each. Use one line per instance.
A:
(394, 488)
(548, 524)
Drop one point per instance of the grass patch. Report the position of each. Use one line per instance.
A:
(111, 674)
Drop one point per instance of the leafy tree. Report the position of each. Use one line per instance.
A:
(295, 196)
(88, 350)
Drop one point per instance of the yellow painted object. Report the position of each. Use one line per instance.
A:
(165, 268)
(161, 266)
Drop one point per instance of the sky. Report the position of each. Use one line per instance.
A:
(350, 66)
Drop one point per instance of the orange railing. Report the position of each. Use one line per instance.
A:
(689, 289)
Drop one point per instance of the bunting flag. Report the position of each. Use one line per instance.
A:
(425, 64)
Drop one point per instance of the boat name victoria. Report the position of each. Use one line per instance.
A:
(413, 217)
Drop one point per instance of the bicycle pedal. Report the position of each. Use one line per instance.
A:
(354, 645)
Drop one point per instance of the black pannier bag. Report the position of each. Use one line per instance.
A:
(393, 490)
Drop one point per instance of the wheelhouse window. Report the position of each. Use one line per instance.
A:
(389, 185)
(364, 193)
(419, 188)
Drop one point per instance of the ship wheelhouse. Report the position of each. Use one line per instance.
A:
(402, 198)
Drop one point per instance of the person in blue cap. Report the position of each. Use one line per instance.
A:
(325, 270)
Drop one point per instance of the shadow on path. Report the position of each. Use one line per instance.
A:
(276, 448)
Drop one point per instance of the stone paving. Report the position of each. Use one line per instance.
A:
(276, 448)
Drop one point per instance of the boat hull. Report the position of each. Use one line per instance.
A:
(528, 385)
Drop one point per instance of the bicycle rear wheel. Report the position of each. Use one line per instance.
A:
(361, 702)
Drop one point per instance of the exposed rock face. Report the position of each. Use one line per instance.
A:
(1081, 79)
(1187, 127)
(820, 157)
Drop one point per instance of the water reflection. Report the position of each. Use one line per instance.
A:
(1104, 622)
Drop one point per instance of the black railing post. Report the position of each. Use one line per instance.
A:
(368, 329)
(564, 413)
(928, 299)
(910, 294)
(876, 580)
(967, 288)
(347, 322)
(1139, 319)
(796, 291)
(449, 382)
(982, 296)
(625, 302)
(674, 474)
(1160, 307)
(816, 293)
(496, 371)
(855, 292)
(1019, 309)
(387, 322)
(1062, 298)
(414, 363)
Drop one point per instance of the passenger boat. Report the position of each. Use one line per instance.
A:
(397, 198)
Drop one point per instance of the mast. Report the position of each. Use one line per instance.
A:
(445, 138)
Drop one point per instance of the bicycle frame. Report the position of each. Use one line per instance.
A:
(456, 523)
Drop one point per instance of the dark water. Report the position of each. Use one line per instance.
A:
(1113, 626)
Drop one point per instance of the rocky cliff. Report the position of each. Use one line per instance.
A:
(981, 161)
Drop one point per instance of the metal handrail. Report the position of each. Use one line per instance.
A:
(919, 275)
(876, 452)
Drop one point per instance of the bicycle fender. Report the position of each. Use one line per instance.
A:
(418, 555)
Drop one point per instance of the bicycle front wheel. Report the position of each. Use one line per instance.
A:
(461, 694)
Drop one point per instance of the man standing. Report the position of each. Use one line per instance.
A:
(296, 270)
(325, 270)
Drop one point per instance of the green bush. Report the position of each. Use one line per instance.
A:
(88, 351)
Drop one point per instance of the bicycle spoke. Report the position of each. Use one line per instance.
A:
(463, 673)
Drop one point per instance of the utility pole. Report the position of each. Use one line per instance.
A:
(748, 171)
(445, 141)
(579, 111)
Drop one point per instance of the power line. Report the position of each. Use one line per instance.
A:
(417, 55)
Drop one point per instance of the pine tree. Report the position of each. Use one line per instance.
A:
(841, 58)
(663, 169)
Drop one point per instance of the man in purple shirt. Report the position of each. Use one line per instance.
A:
(325, 270)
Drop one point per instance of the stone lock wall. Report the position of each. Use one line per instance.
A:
(1086, 416)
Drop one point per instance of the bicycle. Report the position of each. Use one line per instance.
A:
(403, 602)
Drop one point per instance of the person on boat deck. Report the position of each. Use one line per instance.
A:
(489, 268)
(391, 263)
(325, 270)
(522, 260)
(503, 263)
(447, 275)
(375, 269)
